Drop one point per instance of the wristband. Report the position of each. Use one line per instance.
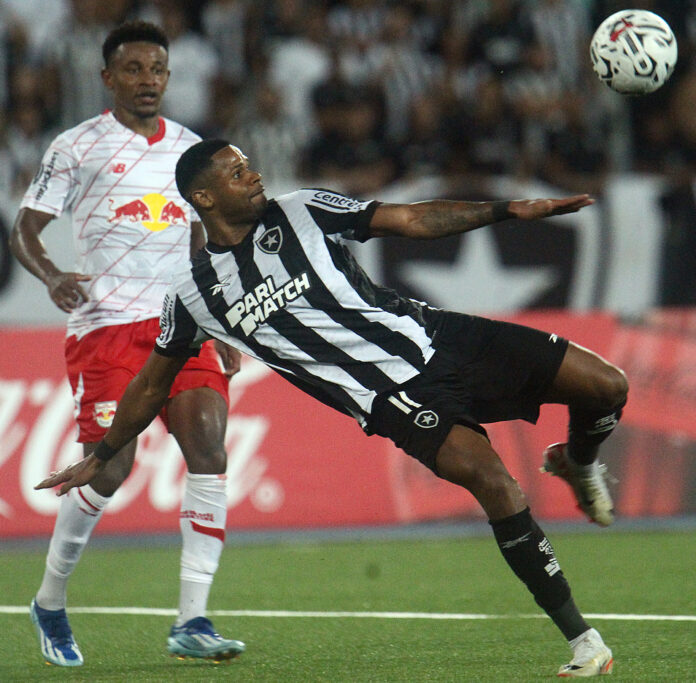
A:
(104, 452)
(500, 210)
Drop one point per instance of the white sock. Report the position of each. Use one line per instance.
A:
(79, 513)
(202, 522)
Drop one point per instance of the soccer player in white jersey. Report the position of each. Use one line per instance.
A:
(276, 279)
(115, 174)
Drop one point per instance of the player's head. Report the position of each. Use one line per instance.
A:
(136, 69)
(214, 177)
(133, 32)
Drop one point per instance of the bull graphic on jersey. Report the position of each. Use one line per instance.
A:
(271, 241)
(265, 299)
(153, 211)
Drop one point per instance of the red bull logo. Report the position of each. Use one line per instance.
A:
(153, 211)
(104, 412)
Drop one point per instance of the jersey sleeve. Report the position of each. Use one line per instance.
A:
(336, 213)
(56, 182)
(179, 334)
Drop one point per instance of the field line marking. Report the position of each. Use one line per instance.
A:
(163, 612)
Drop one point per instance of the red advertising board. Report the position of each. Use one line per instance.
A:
(296, 463)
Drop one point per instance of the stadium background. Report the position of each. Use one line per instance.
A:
(400, 102)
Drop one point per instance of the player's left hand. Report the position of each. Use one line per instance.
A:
(231, 358)
(529, 209)
(77, 474)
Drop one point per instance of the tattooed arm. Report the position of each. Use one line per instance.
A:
(439, 218)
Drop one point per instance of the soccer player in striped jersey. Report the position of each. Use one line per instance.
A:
(277, 280)
(115, 174)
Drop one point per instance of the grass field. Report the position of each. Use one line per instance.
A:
(612, 573)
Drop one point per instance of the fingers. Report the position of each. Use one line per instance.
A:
(54, 479)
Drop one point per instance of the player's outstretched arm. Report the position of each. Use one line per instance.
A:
(439, 218)
(25, 241)
(143, 399)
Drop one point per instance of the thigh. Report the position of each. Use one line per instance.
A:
(100, 365)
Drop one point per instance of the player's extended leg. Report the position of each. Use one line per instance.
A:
(595, 392)
(79, 513)
(466, 458)
(197, 418)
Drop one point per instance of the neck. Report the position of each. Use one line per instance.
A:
(227, 235)
(146, 126)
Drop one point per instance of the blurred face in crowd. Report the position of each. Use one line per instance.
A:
(137, 75)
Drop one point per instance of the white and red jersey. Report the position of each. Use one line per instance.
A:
(130, 225)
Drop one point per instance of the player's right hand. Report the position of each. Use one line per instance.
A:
(65, 290)
(77, 474)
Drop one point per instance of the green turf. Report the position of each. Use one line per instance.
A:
(611, 572)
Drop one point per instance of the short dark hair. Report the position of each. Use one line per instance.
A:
(194, 161)
(133, 32)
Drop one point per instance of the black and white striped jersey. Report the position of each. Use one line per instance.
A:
(292, 295)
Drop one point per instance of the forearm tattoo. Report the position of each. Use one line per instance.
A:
(449, 218)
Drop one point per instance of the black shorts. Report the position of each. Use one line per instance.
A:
(482, 371)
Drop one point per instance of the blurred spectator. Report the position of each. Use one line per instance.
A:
(224, 23)
(72, 54)
(487, 134)
(270, 137)
(349, 151)
(425, 150)
(575, 154)
(299, 62)
(193, 63)
(403, 70)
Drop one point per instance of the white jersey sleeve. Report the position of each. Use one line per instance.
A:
(55, 184)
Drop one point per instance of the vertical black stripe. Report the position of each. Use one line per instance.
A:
(204, 277)
(320, 297)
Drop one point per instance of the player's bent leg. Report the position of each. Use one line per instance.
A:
(467, 458)
(595, 392)
(197, 418)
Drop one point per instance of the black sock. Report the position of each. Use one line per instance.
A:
(531, 556)
(587, 429)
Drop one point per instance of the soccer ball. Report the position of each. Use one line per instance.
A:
(633, 51)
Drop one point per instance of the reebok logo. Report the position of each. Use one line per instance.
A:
(267, 298)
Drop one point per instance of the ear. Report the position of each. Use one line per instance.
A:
(106, 78)
(202, 199)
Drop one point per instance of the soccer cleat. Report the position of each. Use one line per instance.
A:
(197, 638)
(588, 483)
(591, 657)
(55, 637)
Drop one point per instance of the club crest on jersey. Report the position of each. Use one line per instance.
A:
(271, 241)
(264, 300)
(427, 419)
(104, 412)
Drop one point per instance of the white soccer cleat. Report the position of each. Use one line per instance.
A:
(587, 481)
(591, 657)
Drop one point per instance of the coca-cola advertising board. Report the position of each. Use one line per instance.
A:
(295, 463)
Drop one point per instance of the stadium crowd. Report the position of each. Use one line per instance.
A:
(360, 93)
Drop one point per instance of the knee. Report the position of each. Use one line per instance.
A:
(108, 481)
(612, 387)
(206, 460)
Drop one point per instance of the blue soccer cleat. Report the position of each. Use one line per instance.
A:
(197, 638)
(55, 637)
